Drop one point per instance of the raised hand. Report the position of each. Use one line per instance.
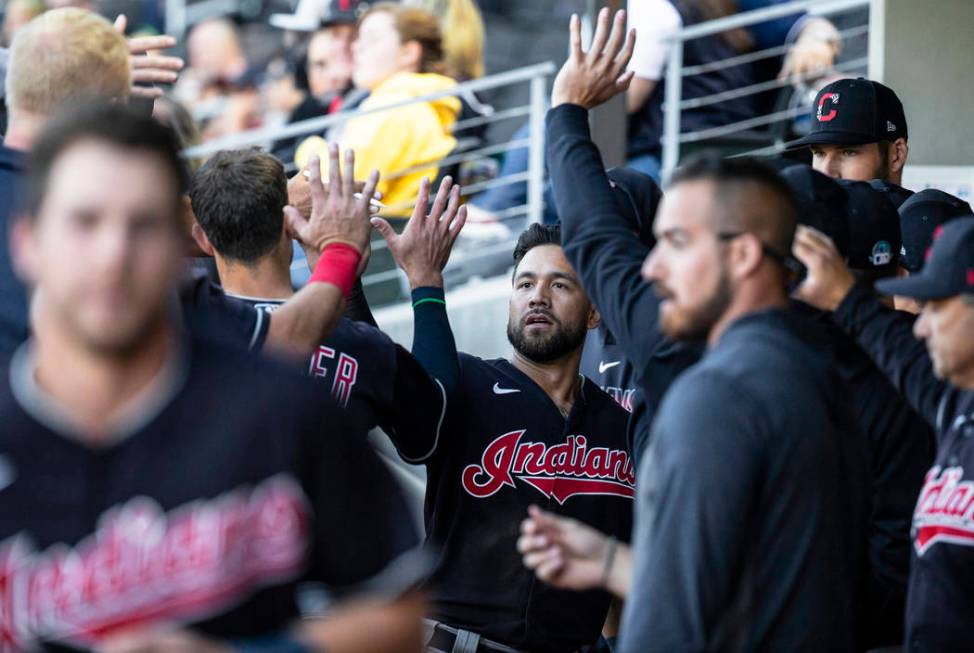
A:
(423, 248)
(563, 552)
(829, 279)
(590, 78)
(149, 68)
(337, 215)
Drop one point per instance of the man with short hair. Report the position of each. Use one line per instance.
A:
(238, 199)
(858, 132)
(200, 486)
(939, 383)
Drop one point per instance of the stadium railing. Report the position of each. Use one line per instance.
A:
(468, 261)
(763, 130)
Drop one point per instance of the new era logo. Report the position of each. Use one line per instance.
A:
(890, 127)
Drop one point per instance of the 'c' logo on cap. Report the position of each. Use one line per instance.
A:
(834, 97)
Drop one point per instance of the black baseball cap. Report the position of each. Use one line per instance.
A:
(949, 269)
(894, 193)
(919, 218)
(874, 227)
(638, 195)
(822, 203)
(855, 112)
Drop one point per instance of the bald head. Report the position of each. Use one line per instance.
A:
(214, 46)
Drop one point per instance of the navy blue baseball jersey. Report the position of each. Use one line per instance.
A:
(605, 362)
(505, 446)
(364, 370)
(233, 481)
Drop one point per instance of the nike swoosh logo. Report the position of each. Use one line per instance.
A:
(603, 366)
(498, 390)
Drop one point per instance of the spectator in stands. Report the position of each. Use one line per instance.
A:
(816, 44)
(398, 55)
(858, 132)
(219, 85)
(463, 37)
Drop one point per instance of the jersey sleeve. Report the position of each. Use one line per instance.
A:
(363, 529)
(887, 336)
(690, 531)
(597, 239)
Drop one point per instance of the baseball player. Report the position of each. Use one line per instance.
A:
(238, 198)
(939, 383)
(858, 132)
(518, 431)
(150, 478)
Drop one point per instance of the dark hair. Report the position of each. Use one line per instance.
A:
(535, 236)
(111, 123)
(238, 197)
(751, 197)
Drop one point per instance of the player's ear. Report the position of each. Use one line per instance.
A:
(898, 151)
(22, 249)
(201, 240)
(594, 319)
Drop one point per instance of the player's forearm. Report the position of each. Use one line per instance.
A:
(433, 342)
(303, 322)
(887, 336)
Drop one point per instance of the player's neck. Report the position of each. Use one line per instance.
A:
(559, 379)
(93, 387)
(266, 279)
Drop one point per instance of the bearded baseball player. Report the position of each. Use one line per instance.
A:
(518, 431)
(148, 478)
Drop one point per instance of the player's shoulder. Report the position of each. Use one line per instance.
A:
(244, 374)
(355, 331)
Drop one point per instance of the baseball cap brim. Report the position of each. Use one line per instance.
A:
(294, 22)
(830, 138)
(918, 286)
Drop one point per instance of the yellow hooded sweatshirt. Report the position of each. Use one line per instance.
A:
(397, 139)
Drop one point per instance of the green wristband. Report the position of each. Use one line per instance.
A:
(429, 299)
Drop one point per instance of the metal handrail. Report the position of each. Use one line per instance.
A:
(755, 16)
(766, 53)
(761, 87)
(315, 125)
(671, 137)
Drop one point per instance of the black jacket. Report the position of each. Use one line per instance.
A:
(940, 603)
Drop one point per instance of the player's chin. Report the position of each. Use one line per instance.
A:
(118, 336)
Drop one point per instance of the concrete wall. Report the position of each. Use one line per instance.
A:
(929, 62)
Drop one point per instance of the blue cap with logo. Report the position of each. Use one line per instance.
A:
(949, 269)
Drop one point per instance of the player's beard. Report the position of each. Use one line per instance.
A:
(694, 323)
(561, 341)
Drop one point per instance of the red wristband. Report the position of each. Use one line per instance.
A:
(338, 266)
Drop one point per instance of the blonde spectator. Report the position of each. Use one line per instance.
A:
(398, 55)
(463, 36)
